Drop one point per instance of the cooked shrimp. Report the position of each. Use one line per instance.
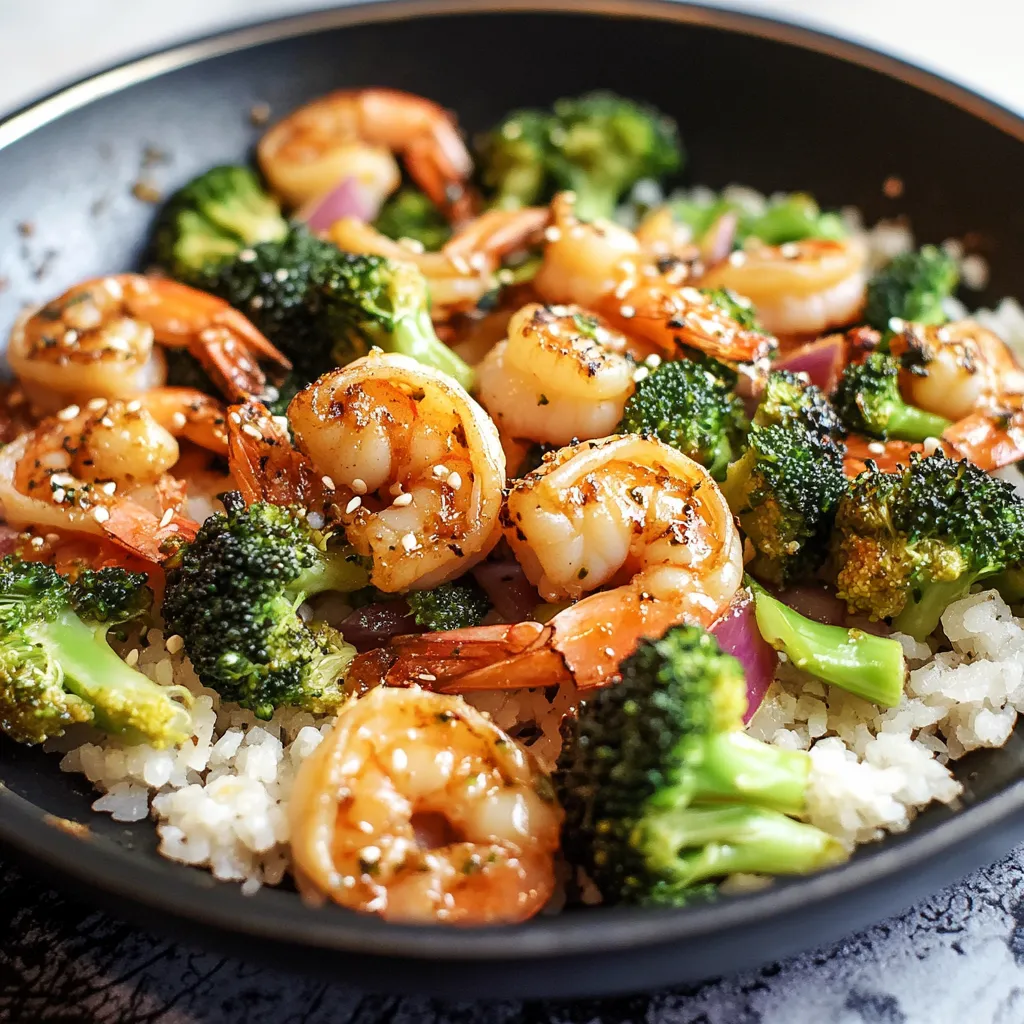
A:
(101, 470)
(625, 512)
(802, 287)
(100, 340)
(992, 437)
(956, 368)
(416, 807)
(602, 267)
(420, 459)
(463, 272)
(353, 133)
(887, 456)
(561, 374)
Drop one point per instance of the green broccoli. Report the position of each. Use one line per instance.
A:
(869, 402)
(457, 604)
(323, 307)
(663, 790)
(56, 667)
(691, 409)
(410, 214)
(912, 286)
(909, 543)
(785, 491)
(212, 218)
(597, 145)
(233, 595)
(861, 663)
(736, 307)
(787, 398)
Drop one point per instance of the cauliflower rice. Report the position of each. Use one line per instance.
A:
(220, 802)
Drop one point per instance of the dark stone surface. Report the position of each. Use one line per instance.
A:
(958, 957)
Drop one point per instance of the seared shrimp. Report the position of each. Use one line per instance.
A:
(955, 369)
(353, 133)
(803, 287)
(561, 374)
(420, 458)
(416, 807)
(101, 338)
(463, 272)
(602, 266)
(993, 436)
(102, 469)
(625, 512)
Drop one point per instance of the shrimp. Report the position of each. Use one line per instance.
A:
(887, 456)
(420, 458)
(353, 133)
(97, 340)
(624, 512)
(462, 272)
(101, 469)
(993, 436)
(602, 267)
(561, 374)
(801, 287)
(416, 807)
(955, 369)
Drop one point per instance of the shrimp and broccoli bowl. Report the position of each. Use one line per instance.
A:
(459, 530)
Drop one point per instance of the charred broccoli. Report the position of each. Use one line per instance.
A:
(663, 790)
(912, 286)
(869, 402)
(212, 218)
(691, 409)
(789, 399)
(233, 595)
(908, 543)
(597, 145)
(56, 667)
(457, 604)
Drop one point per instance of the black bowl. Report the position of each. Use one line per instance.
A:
(758, 101)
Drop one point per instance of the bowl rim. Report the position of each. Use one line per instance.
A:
(26, 828)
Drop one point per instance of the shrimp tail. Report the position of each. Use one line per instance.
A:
(140, 533)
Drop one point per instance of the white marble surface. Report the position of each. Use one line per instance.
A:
(44, 43)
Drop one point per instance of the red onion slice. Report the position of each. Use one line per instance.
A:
(513, 596)
(374, 625)
(346, 199)
(822, 361)
(737, 634)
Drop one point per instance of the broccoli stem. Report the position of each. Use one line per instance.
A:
(123, 700)
(734, 838)
(336, 572)
(414, 336)
(922, 613)
(863, 664)
(908, 423)
(738, 767)
(1010, 584)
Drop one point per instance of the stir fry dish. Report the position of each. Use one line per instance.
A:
(461, 530)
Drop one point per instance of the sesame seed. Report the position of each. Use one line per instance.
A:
(353, 504)
(427, 677)
(327, 482)
(166, 517)
(37, 542)
(107, 422)
(896, 325)
(402, 500)
(316, 520)
(691, 295)
(59, 495)
(359, 486)
(173, 528)
(505, 276)
(69, 413)
(234, 418)
(174, 643)
(653, 361)
(248, 428)
(409, 542)
(737, 259)
(790, 251)
(370, 854)
(178, 420)
(395, 489)
(100, 514)
(109, 487)
(628, 312)
(876, 448)
(132, 658)
(609, 652)
(931, 445)
(641, 373)
(440, 470)
(412, 244)
(454, 481)
(460, 264)
(133, 406)
(97, 405)
(247, 255)
(552, 234)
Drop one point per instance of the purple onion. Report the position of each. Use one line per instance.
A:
(347, 199)
(737, 634)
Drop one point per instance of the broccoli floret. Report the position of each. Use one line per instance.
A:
(912, 286)
(790, 218)
(785, 491)
(663, 789)
(323, 307)
(865, 665)
(786, 398)
(691, 409)
(869, 402)
(212, 218)
(458, 604)
(233, 595)
(735, 306)
(410, 214)
(909, 543)
(56, 667)
(597, 145)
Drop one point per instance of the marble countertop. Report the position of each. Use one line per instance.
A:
(958, 957)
